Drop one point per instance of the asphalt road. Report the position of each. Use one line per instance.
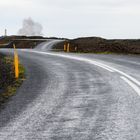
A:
(74, 97)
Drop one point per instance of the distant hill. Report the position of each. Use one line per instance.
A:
(22, 41)
(85, 44)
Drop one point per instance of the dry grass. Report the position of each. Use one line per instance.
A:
(8, 82)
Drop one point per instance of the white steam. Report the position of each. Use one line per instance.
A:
(30, 28)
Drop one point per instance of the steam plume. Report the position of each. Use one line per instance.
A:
(30, 28)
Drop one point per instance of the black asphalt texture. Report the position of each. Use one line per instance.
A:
(65, 98)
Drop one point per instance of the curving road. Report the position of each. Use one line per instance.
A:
(74, 97)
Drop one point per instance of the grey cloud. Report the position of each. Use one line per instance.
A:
(78, 3)
(73, 18)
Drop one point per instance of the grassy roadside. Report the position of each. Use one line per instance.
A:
(8, 83)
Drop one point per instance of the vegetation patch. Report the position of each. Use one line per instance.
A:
(8, 82)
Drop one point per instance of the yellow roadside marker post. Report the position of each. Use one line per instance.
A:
(68, 48)
(16, 63)
(75, 49)
(65, 47)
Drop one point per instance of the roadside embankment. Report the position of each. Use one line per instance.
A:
(26, 42)
(100, 45)
(8, 82)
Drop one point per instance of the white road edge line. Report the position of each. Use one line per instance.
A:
(108, 68)
(135, 87)
(128, 76)
(76, 58)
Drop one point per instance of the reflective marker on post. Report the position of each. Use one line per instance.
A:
(16, 63)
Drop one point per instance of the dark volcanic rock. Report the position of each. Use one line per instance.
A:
(100, 45)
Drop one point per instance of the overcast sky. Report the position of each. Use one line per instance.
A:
(74, 18)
